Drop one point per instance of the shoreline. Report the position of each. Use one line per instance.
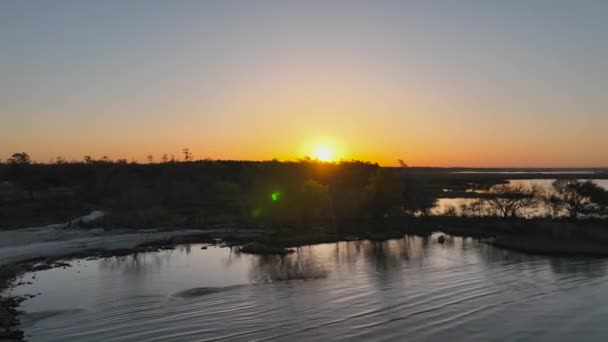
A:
(551, 247)
(35, 249)
(48, 247)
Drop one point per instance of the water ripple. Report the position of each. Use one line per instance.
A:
(409, 289)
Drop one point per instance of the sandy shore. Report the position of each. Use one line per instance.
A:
(37, 248)
(49, 242)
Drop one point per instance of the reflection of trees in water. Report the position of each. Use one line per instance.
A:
(300, 265)
(490, 255)
(185, 249)
(312, 262)
(381, 257)
(347, 253)
(584, 267)
(232, 257)
(136, 263)
(499, 257)
(456, 243)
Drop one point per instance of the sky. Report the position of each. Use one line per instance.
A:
(434, 83)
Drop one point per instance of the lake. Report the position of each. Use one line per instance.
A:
(413, 289)
(552, 172)
(545, 184)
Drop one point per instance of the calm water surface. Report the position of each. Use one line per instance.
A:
(546, 184)
(412, 289)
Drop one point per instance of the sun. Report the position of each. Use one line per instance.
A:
(324, 153)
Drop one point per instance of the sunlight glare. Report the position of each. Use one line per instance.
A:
(324, 153)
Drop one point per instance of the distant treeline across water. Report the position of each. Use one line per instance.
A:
(200, 193)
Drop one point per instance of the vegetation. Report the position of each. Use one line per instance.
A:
(197, 193)
(566, 198)
(577, 198)
(510, 200)
(314, 195)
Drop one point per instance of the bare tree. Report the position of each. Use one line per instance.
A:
(187, 154)
(472, 208)
(450, 210)
(553, 205)
(509, 200)
(576, 197)
(150, 159)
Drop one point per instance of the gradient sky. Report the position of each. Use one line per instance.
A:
(437, 83)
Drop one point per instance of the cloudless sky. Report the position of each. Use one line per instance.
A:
(443, 83)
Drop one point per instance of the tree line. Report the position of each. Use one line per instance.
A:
(569, 198)
(197, 193)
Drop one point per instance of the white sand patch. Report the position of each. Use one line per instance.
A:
(60, 240)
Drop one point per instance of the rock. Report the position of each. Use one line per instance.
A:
(441, 239)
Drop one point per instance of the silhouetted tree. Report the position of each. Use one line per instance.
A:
(450, 210)
(19, 158)
(21, 171)
(472, 208)
(150, 159)
(578, 198)
(187, 154)
(553, 205)
(419, 196)
(508, 200)
(313, 200)
(383, 194)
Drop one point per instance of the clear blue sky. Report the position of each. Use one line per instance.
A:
(467, 83)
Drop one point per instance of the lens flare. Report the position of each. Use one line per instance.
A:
(275, 196)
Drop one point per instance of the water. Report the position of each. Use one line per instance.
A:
(548, 183)
(545, 184)
(412, 289)
(556, 172)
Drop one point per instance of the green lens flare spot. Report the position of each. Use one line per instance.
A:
(275, 196)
